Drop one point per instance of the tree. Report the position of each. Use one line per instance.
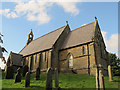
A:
(2, 50)
(115, 64)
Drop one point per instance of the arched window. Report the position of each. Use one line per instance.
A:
(70, 60)
(83, 49)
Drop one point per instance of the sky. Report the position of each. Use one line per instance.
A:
(18, 18)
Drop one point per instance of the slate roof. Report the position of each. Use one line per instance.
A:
(79, 36)
(42, 43)
(16, 59)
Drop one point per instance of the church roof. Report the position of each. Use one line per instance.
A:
(75, 37)
(79, 36)
(42, 43)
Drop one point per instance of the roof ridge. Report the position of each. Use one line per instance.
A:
(48, 33)
(82, 26)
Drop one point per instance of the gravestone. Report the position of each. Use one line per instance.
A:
(110, 73)
(56, 78)
(18, 76)
(101, 80)
(25, 70)
(38, 73)
(27, 79)
(9, 72)
(97, 79)
(49, 79)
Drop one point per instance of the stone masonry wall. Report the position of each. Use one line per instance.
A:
(35, 60)
(100, 48)
(82, 63)
(57, 46)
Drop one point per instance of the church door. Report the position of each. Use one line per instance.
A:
(70, 61)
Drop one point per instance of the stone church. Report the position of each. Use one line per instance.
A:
(78, 51)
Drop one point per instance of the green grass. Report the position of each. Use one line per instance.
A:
(65, 81)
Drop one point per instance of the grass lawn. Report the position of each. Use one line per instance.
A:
(65, 81)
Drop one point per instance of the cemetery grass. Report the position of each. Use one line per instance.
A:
(65, 81)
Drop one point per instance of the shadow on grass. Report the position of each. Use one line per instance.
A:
(37, 87)
(116, 81)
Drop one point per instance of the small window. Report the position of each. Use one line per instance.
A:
(83, 50)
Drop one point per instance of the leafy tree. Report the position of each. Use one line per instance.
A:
(2, 50)
(115, 64)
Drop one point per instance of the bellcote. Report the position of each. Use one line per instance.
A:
(30, 37)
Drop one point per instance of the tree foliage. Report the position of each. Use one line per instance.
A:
(115, 64)
(2, 50)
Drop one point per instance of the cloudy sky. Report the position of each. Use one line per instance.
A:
(17, 18)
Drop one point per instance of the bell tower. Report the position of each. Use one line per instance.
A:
(30, 37)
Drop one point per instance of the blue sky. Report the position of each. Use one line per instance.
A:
(42, 18)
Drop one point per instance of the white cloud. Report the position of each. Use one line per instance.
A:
(6, 57)
(112, 42)
(69, 7)
(8, 14)
(2, 65)
(36, 10)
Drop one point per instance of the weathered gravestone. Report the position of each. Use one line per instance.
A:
(18, 76)
(110, 73)
(97, 78)
(9, 72)
(49, 79)
(38, 73)
(56, 79)
(27, 79)
(101, 80)
(25, 70)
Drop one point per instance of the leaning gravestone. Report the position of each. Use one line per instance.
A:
(49, 79)
(25, 70)
(27, 79)
(18, 76)
(9, 72)
(38, 73)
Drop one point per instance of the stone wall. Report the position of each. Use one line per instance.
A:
(100, 50)
(42, 59)
(56, 47)
(82, 63)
